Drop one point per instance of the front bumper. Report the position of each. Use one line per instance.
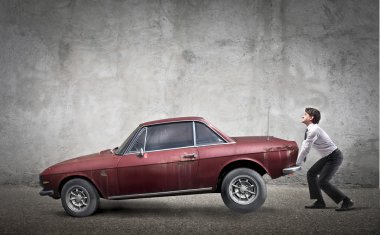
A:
(47, 192)
(291, 170)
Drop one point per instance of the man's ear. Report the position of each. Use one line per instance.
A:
(311, 118)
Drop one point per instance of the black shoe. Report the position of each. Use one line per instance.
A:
(317, 205)
(346, 205)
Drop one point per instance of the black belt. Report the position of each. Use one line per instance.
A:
(333, 152)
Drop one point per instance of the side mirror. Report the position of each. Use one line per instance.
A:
(140, 153)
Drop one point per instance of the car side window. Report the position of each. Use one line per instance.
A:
(167, 136)
(205, 135)
(139, 141)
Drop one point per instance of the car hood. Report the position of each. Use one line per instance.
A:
(82, 159)
(101, 160)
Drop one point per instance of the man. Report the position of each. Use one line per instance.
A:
(326, 167)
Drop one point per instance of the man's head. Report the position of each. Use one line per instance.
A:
(311, 116)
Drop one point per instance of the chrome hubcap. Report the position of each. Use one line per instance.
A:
(243, 190)
(77, 198)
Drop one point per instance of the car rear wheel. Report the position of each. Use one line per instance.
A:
(243, 190)
(79, 198)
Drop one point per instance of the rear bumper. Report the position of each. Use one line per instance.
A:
(291, 170)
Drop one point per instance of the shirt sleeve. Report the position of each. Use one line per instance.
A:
(312, 136)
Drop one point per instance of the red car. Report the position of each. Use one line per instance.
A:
(168, 157)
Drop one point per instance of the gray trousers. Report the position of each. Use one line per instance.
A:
(326, 168)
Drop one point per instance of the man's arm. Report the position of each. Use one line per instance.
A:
(306, 145)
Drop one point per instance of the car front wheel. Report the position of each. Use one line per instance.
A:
(79, 198)
(243, 190)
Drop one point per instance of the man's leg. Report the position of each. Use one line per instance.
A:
(312, 179)
(332, 165)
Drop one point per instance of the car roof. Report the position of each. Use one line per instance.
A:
(177, 119)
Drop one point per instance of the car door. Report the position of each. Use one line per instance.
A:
(175, 141)
(141, 174)
(168, 161)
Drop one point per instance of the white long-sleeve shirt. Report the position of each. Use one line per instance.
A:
(316, 137)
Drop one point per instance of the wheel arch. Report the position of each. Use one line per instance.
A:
(68, 178)
(239, 164)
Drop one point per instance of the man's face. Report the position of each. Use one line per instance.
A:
(307, 119)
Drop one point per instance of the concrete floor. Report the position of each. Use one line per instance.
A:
(23, 211)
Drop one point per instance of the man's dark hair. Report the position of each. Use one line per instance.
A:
(314, 113)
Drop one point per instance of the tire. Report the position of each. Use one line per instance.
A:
(243, 190)
(79, 198)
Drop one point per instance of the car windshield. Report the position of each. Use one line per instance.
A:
(124, 145)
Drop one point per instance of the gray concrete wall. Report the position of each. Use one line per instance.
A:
(77, 76)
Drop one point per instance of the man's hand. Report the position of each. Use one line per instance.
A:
(299, 161)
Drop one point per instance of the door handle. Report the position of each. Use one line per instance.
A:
(189, 156)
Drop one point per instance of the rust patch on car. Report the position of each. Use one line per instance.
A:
(279, 148)
(103, 173)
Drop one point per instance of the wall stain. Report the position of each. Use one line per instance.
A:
(188, 56)
(63, 52)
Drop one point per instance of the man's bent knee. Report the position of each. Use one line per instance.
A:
(323, 183)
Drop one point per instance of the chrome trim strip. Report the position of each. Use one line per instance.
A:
(146, 134)
(194, 135)
(161, 193)
(215, 144)
(152, 151)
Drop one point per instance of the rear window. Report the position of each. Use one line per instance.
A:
(206, 136)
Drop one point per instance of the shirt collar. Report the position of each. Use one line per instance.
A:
(310, 126)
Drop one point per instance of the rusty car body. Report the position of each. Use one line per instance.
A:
(176, 156)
